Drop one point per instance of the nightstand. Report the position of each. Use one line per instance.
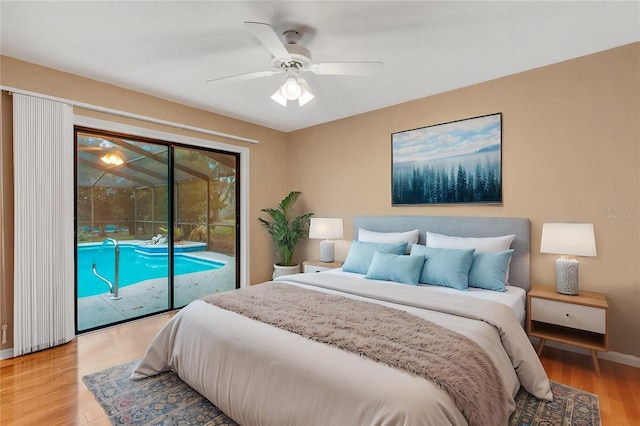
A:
(319, 266)
(579, 320)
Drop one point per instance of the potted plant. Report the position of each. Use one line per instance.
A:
(285, 232)
(178, 233)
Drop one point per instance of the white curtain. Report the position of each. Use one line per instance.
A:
(44, 308)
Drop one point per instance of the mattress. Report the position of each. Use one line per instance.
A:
(514, 297)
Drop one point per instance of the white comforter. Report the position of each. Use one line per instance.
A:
(261, 375)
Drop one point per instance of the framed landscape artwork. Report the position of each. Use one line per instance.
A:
(456, 162)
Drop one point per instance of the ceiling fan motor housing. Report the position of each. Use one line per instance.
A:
(300, 58)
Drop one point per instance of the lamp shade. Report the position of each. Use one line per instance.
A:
(577, 239)
(325, 227)
(305, 95)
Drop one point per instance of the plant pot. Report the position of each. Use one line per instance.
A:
(279, 270)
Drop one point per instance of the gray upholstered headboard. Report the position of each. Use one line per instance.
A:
(463, 226)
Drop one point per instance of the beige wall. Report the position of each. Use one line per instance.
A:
(571, 152)
(268, 183)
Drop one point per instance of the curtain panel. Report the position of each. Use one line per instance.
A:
(44, 306)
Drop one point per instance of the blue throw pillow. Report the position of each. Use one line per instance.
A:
(360, 254)
(489, 270)
(445, 267)
(394, 267)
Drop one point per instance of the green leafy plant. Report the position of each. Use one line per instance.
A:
(178, 233)
(199, 233)
(284, 231)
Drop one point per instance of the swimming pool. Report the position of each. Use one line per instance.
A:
(134, 267)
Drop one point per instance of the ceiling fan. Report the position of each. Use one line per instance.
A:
(292, 59)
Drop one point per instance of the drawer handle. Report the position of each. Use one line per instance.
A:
(567, 314)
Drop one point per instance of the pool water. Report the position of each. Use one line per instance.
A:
(134, 267)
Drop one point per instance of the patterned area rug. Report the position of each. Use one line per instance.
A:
(570, 406)
(166, 400)
(163, 399)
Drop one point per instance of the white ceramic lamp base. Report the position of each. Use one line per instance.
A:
(567, 276)
(327, 251)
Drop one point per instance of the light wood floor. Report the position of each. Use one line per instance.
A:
(618, 385)
(46, 388)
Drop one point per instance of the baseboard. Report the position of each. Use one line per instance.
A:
(625, 359)
(6, 353)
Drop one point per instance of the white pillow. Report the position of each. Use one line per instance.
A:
(481, 244)
(411, 237)
(484, 244)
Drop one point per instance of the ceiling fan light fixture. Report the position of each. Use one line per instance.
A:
(291, 89)
(113, 158)
(279, 98)
(305, 93)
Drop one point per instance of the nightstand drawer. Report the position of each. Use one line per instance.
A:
(318, 266)
(569, 315)
(313, 268)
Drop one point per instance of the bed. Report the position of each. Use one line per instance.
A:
(264, 355)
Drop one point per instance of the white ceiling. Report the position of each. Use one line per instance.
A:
(170, 48)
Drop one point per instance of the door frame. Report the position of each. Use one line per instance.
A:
(244, 270)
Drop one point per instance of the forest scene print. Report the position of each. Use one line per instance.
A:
(457, 162)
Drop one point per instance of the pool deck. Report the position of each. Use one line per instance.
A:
(151, 296)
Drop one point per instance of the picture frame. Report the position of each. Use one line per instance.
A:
(458, 162)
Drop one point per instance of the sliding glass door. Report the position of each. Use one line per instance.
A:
(205, 220)
(155, 226)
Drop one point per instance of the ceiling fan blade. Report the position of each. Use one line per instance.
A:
(269, 39)
(348, 68)
(248, 76)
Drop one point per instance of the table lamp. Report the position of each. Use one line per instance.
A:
(575, 239)
(326, 227)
